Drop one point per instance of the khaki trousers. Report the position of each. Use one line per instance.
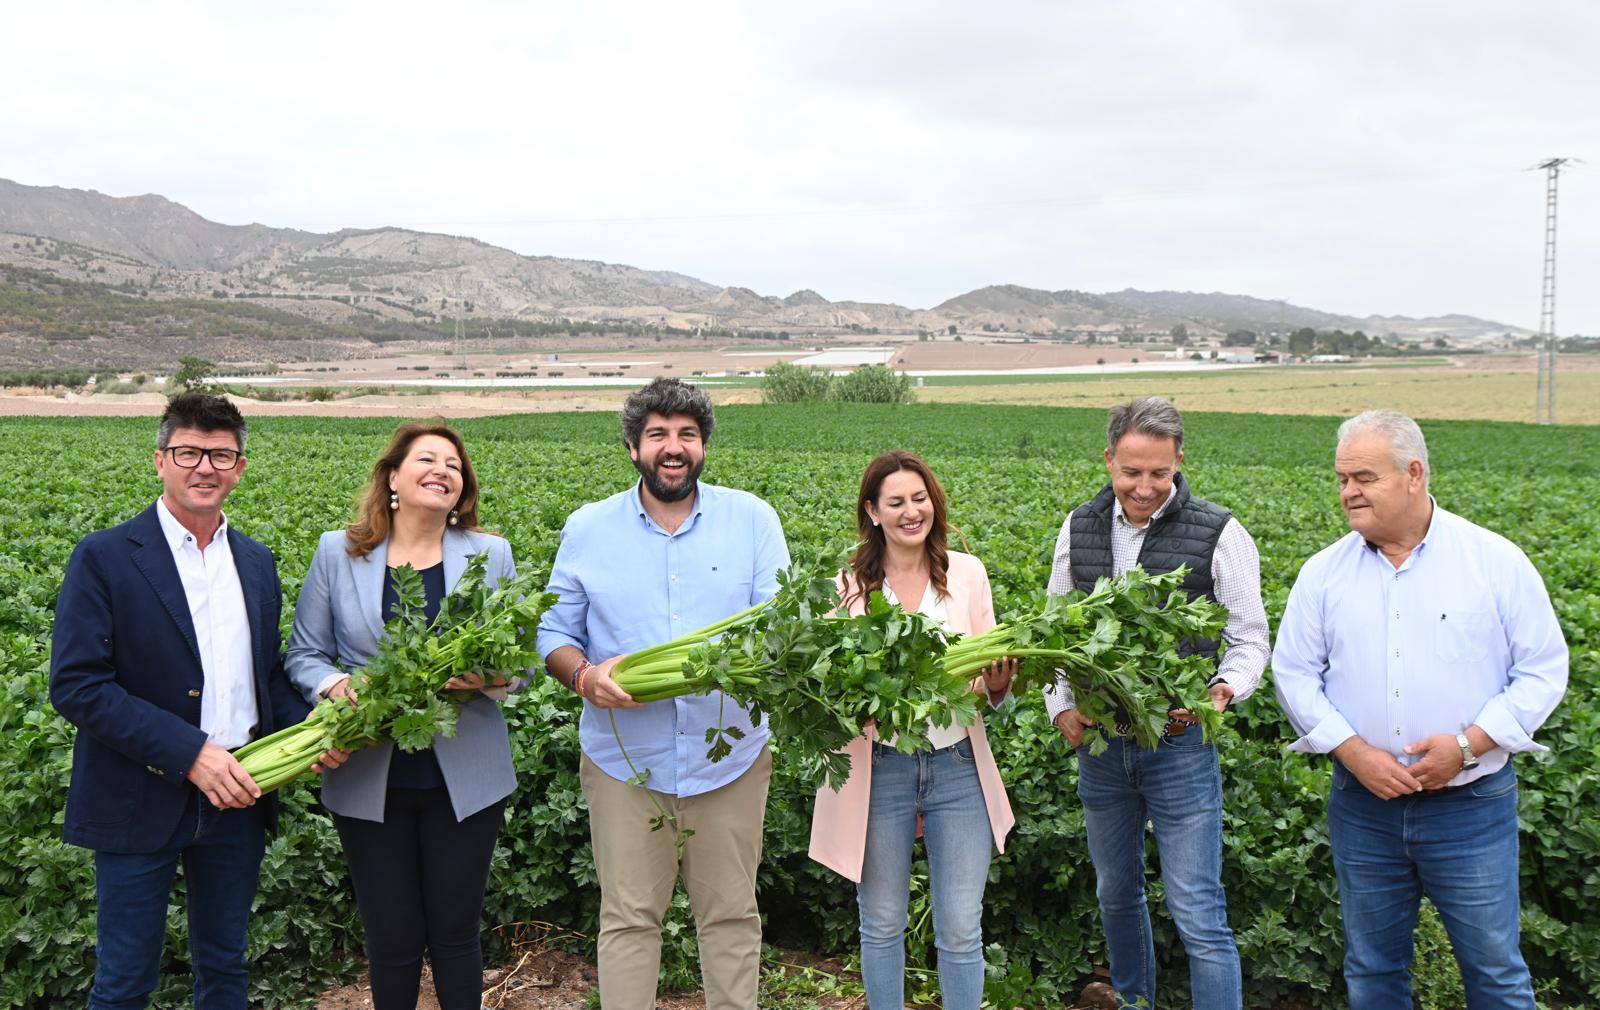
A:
(638, 869)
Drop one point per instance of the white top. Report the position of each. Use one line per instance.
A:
(211, 586)
(1235, 578)
(1461, 633)
(937, 608)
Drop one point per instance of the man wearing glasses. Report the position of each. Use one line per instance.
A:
(166, 656)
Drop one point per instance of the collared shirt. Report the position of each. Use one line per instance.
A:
(211, 586)
(626, 584)
(1462, 632)
(1236, 581)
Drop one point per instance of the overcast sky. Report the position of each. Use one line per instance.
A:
(1354, 156)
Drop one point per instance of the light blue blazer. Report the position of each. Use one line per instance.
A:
(338, 620)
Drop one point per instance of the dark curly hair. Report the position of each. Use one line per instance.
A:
(667, 397)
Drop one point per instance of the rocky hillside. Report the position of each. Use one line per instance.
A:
(355, 286)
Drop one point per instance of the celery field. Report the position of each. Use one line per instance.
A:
(1012, 474)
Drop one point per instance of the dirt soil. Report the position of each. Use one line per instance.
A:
(543, 978)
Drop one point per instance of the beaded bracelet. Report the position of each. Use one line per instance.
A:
(584, 666)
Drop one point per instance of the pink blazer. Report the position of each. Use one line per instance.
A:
(839, 823)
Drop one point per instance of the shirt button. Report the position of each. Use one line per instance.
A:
(674, 578)
(1396, 732)
(1397, 694)
(1397, 654)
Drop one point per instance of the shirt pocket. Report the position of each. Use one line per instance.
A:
(1465, 636)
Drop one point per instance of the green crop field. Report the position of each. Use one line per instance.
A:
(1012, 473)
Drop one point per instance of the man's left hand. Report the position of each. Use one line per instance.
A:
(1441, 760)
(1220, 694)
(473, 682)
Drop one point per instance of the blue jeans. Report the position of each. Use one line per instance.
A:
(942, 787)
(1459, 847)
(221, 852)
(1177, 789)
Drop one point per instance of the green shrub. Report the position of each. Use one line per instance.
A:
(786, 383)
(874, 384)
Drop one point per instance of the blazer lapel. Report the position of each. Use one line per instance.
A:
(369, 573)
(153, 558)
(457, 552)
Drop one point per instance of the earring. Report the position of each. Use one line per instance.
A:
(874, 522)
(394, 500)
(455, 517)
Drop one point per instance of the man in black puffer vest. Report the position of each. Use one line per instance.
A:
(1146, 516)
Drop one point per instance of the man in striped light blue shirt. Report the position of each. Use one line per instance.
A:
(644, 566)
(1421, 651)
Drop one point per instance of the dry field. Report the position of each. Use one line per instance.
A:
(1491, 390)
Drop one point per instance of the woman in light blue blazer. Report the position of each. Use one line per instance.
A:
(418, 829)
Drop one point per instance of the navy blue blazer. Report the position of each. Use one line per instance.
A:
(125, 670)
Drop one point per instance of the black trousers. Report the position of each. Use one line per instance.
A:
(419, 878)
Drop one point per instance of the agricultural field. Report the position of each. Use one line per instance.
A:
(1012, 473)
(1486, 389)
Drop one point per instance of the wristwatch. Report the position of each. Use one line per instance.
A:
(1468, 759)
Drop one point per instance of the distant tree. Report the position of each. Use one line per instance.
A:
(1180, 334)
(1242, 338)
(787, 383)
(952, 329)
(193, 375)
(1440, 342)
(1303, 341)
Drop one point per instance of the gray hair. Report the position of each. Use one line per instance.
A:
(666, 397)
(1151, 416)
(205, 412)
(1405, 438)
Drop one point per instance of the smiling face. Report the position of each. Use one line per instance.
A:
(197, 493)
(428, 479)
(670, 455)
(1382, 500)
(1142, 469)
(903, 509)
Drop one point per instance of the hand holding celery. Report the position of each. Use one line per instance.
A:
(421, 675)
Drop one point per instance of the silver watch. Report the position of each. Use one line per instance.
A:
(1468, 759)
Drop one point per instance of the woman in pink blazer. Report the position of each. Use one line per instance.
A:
(950, 793)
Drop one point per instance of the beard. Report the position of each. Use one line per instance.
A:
(659, 489)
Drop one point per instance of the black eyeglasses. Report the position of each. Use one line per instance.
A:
(189, 456)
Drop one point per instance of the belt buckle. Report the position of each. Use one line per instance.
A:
(1175, 727)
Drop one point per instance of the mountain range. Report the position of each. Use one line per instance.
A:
(67, 256)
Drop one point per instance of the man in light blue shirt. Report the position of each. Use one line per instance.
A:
(644, 566)
(1421, 651)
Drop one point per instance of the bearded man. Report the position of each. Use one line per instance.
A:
(648, 564)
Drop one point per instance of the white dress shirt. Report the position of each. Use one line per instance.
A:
(1235, 579)
(1461, 633)
(228, 710)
